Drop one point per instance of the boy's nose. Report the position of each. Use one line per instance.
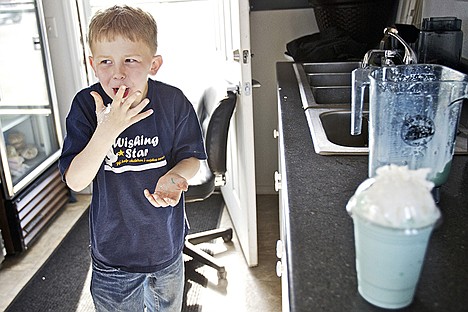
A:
(119, 72)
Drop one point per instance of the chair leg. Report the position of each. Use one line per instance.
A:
(206, 236)
(205, 258)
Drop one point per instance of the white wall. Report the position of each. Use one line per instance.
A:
(270, 32)
(455, 8)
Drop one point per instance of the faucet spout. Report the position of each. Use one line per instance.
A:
(409, 57)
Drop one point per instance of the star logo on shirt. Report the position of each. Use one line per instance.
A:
(120, 153)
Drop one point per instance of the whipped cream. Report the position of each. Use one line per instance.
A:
(396, 197)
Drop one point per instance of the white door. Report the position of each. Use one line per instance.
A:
(239, 192)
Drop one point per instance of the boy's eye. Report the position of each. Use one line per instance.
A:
(106, 62)
(130, 60)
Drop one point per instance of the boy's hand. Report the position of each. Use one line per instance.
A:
(122, 113)
(168, 190)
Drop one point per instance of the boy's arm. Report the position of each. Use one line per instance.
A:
(86, 164)
(171, 185)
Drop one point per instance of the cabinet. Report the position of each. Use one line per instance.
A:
(319, 235)
(281, 188)
(30, 141)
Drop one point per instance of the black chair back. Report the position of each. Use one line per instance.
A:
(217, 134)
(214, 117)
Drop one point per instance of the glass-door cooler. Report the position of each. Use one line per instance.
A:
(31, 139)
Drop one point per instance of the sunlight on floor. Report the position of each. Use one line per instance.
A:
(86, 302)
(245, 289)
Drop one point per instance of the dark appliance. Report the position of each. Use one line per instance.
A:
(348, 29)
(30, 141)
(362, 20)
(441, 41)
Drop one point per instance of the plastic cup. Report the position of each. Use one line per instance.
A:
(388, 262)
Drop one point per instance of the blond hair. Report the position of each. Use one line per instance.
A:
(130, 23)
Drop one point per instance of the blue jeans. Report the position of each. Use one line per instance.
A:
(115, 290)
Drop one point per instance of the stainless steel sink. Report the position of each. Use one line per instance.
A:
(337, 125)
(331, 132)
(336, 95)
(329, 79)
(330, 67)
(326, 98)
(331, 135)
(325, 84)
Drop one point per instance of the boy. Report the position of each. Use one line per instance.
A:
(147, 138)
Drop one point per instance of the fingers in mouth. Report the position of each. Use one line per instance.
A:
(127, 90)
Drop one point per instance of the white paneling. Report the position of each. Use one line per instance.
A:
(270, 32)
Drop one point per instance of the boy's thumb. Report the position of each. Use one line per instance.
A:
(98, 101)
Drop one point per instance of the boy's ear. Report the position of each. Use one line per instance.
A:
(156, 64)
(91, 62)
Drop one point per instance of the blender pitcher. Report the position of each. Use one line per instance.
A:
(414, 112)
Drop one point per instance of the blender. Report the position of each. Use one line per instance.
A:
(414, 111)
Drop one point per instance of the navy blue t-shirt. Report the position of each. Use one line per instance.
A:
(127, 232)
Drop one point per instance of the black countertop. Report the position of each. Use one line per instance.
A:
(319, 233)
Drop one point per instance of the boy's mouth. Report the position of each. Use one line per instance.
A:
(125, 93)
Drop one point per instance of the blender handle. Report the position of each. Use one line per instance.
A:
(359, 81)
(458, 97)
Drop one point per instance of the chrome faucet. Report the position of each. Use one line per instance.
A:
(359, 76)
(387, 56)
(410, 57)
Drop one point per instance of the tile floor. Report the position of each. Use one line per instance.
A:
(245, 289)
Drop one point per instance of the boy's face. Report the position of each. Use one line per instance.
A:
(123, 62)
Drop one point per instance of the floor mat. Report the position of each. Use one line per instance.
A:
(58, 285)
(205, 215)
